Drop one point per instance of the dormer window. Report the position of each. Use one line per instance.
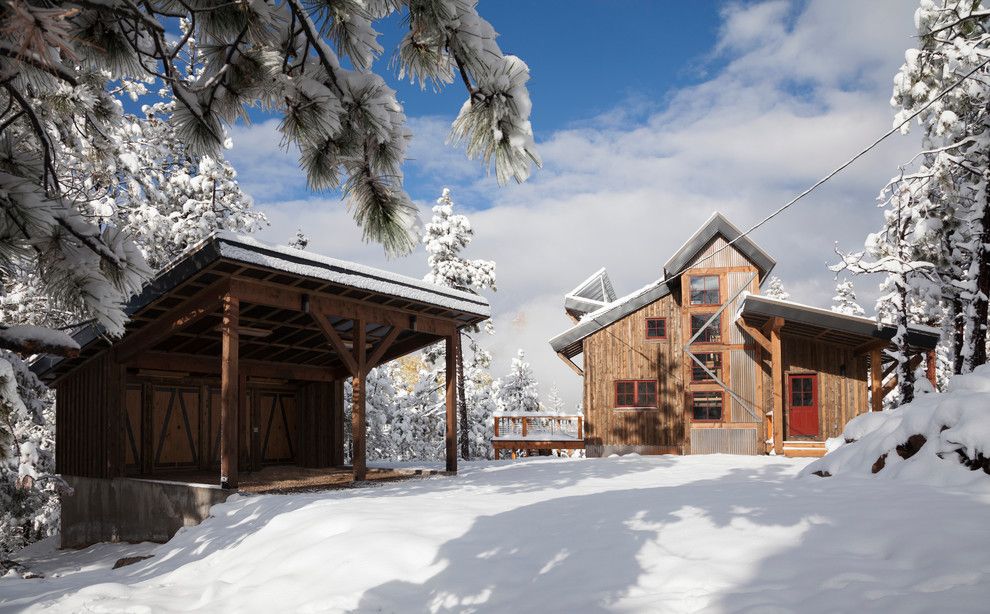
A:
(704, 290)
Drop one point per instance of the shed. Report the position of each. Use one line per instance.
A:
(234, 360)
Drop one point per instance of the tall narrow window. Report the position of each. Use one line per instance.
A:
(636, 393)
(711, 334)
(704, 290)
(656, 328)
(712, 360)
(706, 406)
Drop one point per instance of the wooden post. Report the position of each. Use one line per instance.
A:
(580, 428)
(229, 392)
(930, 363)
(876, 380)
(358, 423)
(777, 373)
(451, 385)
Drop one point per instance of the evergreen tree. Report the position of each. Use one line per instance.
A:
(444, 238)
(300, 240)
(844, 300)
(518, 390)
(775, 289)
(555, 404)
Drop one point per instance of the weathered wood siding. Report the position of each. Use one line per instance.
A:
(89, 412)
(622, 351)
(321, 424)
(842, 381)
(727, 258)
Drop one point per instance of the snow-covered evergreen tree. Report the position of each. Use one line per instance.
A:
(775, 289)
(554, 404)
(518, 390)
(844, 300)
(445, 237)
(299, 240)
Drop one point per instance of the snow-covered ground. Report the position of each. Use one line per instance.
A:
(667, 534)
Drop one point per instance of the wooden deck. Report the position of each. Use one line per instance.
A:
(281, 479)
(524, 433)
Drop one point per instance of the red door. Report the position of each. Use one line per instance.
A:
(803, 415)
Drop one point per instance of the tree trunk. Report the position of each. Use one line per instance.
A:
(980, 302)
(462, 410)
(958, 334)
(905, 374)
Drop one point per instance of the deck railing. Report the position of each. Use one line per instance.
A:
(538, 427)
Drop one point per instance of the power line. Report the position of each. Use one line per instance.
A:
(840, 168)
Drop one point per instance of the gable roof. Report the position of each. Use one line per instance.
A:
(717, 225)
(568, 342)
(591, 294)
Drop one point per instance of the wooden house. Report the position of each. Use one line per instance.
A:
(234, 360)
(698, 362)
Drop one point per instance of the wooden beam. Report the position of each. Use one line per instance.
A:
(189, 311)
(338, 344)
(570, 363)
(358, 422)
(869, 346)
(777, 373)
(931, 361)
(291, 298)
(168, 361)
(876, 379)
(450, 436)
(756, 334)
(229, 397)
(379, 352)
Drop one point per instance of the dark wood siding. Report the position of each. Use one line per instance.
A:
(320, 415)
(842, 381)
(89, 413)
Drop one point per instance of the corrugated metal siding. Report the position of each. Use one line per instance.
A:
(742, 366)
(726, 258)
(724, 441)
(736, 280)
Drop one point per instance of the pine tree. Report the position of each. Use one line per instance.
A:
(775, 289)
(300, 240)
(518, 391)
(844, 300)
(555, 404)
(445, 237)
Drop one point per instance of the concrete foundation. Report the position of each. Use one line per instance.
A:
(132, 510)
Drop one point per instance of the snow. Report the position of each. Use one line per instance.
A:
(284, 258)
(28, 335)
(955, 424)
(670, 534)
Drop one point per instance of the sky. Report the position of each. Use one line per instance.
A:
(649, 116)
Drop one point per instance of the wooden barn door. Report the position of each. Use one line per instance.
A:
(276, 422)
(133, 433)
(803, 412)
(175, 426)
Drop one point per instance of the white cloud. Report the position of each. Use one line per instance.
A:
(803, 87)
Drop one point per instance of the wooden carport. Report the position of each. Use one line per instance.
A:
(235, 317)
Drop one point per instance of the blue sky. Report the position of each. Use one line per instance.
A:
(649, 116)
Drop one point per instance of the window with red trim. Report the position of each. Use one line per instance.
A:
(704, 290)
(636, 393)
(712, 360)
(706, 406)
(712, 333)
(656, 328)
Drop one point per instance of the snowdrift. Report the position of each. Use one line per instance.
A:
(940, 438)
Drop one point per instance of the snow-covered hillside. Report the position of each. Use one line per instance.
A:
(939, 438)
(670, 534)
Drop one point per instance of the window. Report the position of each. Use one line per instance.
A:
(636, 393)
(712, 334)
(706, 405)
(712, 360)
(704, 290)
(803, 391)
(656, 328)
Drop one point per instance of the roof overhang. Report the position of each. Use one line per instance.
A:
(230, 256)
(828, 326)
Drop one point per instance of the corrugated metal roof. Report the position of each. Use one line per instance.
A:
(716, 225)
